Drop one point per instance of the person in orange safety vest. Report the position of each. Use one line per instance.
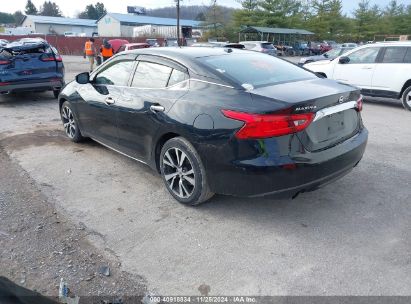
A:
(90, 52)
(106, 50)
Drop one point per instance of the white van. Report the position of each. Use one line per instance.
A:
(379, 69)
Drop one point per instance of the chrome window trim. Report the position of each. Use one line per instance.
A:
(209, 82)
(335, 109)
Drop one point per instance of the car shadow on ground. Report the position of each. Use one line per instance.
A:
(395, 103)
(221, 203)
(16, 99)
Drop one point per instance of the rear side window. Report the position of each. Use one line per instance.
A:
(116, 74)
(407, 58)
(394, 55)
(176, 77)
(151, 75)
(256, 70)
(366, 55)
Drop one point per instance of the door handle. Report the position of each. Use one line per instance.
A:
(110, 101)
(157, 108)
(367, 68)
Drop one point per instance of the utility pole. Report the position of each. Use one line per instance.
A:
(215, 17)
(178, 22)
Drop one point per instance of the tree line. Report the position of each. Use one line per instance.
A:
(50, 8)
(325, 18)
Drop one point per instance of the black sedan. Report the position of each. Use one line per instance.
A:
(214, 120)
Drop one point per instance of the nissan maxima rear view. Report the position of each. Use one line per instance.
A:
(223, 121)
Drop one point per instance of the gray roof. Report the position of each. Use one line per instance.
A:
(274, 30)
(61, 20)
(142, 20)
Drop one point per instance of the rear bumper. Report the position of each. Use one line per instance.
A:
(32, 86)
(286, 176)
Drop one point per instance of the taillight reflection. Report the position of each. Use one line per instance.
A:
(51, 58)
(359, 104)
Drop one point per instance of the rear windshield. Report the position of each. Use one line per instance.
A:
(268, 46)
(26, 49)
(256, 70)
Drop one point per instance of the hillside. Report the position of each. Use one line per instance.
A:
(192, 12)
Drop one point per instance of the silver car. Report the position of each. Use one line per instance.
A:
(260, 46)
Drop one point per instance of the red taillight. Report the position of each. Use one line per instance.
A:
(4, 83)
(51, 58)
(4, 62)
(359, 104)
(48, 59)
(269, 125)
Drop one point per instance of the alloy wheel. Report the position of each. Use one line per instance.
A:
(179, 172)
(408, 99)
(68, 122)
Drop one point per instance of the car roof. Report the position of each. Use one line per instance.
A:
(188, 52)
(252, 41)
(187, 56)
(18, 46)
(381, 44)
(139, 43)
(392, 43)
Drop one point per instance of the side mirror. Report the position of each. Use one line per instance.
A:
(344, 59)
(83, 78)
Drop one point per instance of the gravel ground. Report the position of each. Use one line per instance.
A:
(40, 246)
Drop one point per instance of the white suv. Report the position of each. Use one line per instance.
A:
(379, 69)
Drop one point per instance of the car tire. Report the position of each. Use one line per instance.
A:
(183, 172)
(406, 98)
(56, 93)
(70, 123)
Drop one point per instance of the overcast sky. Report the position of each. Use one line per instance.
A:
(71, 7)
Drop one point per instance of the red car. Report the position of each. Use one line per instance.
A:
(117, 44)
(325, 48)
(133, 46)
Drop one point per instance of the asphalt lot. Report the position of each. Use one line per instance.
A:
(352, 237)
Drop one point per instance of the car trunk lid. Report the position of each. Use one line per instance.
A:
(334, 105)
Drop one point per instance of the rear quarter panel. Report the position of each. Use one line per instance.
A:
(398, 74)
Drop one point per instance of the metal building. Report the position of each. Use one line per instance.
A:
(122, 25)
(59, 25)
